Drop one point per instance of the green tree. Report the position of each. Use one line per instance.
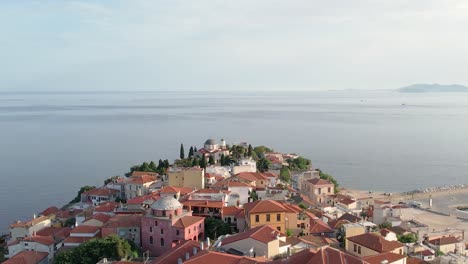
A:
(408, 238)
(237, 151)
(216, 227)
(222, 160)
(145, 166)
(263, 164)
(111, 179)
(182, 151)
(250, 151)
(70, 222)
(289, 232)
(330, 178)
(299, 163)
(190, 153)
(253, 196)
(195, 162)
(152, 166)
(91, 252)
(203, 162)
(195, 149)
(285, 175)
(261, 150)
(211, 160)
(385, 225)
(82, 190)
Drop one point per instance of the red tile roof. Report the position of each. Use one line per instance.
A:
(264, 206)
(208, 257)
(264, 234)
(171, 256)
(27, 257)
(444, 241)
(59, 232)
(231, 210)
(389, 256)
(123, 221)
(142, 179)
(106, 207)
(49, 211)
(187, 221)
(103, 218)
(250, 176)
(141, 173)
(82, 229)
(318, 181)
(202, 203)
(375, 242)
(237, 184)
(65, 214)
(318, 226)
(44, 240)
(324, 255)
(141, 199)
(76, 240)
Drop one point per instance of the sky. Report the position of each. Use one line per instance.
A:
(239, 45)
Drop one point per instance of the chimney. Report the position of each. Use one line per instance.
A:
(202, 246)
(384, 262)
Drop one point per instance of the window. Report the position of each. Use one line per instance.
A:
(359, 250)
(278, 217)
(156, 223)
(355, 247)
(151, 229)
(401, 251)
(235, 219)
(257, 218)
(195, 228)
(329, 190)
(151, 240)
(268, 217)
(199, 225)
(162, 231)
(189, 231)
(278, 228)
(177, 232)
(298, 225)
(162, 242)
(319, 190)
(163, 213)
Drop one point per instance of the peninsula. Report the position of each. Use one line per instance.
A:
(433, 88)
(237, 203)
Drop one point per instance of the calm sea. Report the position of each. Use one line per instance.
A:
(53, 143)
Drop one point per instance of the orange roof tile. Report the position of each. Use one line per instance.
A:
(106, 207)
(318, 181)
(206, 257)
(82, 229)
(264, 234)
(29, 223)
(231, 210)
(27, 257)
(171, 256)
(77, 240)
(44, 240)
(187, 221)
(389, 256)
(60, 232)
(141, 179)
(123, 221)
(103, 218)
(375, 242)
(264, 206)
(49, 211)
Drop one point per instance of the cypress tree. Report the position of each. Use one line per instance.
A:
(211, 160)
(203, 162)
(190, 153)
(182, 152)
(250, 151)
(222, 161)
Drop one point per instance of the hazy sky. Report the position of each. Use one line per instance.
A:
(231, 45)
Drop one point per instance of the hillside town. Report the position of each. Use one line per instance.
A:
(236, 203)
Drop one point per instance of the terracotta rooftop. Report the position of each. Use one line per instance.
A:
(49, 211)
(203, 203)
(264, 206)
(27, 257)
(187, 221)
(318, 181)
(76, 240)
(141, 199)
(444, 241)
(375, 242)
(141, 173)
(351, 218)
(103, 218)
(106, 207)
(237, 184)
(250, 176)
(231, 210)
(141, 179)
(82, 229)
(171, 256)
(389, 256)
(123, 221)
(59, 232)
(174, 189)
(324, 255)
(318, 226)
(65, 214)
(264, 234)
(207, 191)
(44, 240)
(206, 257)
(318, 241)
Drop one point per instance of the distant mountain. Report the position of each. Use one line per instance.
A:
(433, 88)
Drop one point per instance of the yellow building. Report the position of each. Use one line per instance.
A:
(192, 177)
(265, 212)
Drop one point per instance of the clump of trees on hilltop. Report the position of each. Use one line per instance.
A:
(150, 167)
(91, 252)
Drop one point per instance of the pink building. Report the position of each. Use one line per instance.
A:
(166, 224)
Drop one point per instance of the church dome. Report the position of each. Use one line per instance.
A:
(166, 203)
(210, 142)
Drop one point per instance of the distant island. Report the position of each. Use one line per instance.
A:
(433, 88)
